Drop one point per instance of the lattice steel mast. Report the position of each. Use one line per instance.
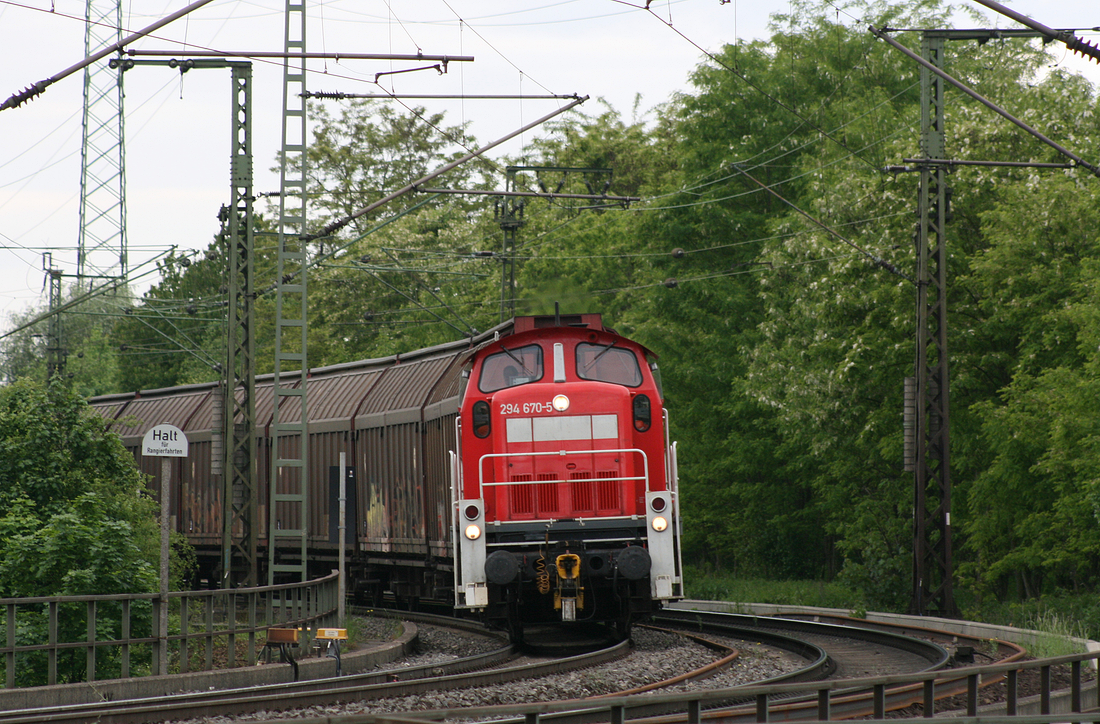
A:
(928, 392)
(102, 250)
(240, 521)
(933, 570)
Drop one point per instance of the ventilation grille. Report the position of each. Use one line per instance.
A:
(541, 497)
(523, 496)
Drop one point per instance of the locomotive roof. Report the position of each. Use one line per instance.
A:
(590, 322)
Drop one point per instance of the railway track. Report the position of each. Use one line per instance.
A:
(503, 664)
(856, 650)
(843, 649)
(827, 649)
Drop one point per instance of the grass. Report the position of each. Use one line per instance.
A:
(1057, 618)
(710, 586)
(1055, 634)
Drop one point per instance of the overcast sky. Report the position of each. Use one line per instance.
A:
(178, 127)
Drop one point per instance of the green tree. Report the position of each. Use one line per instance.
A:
(836, 331)
(175, 334)
(408, 266)
(370, 149)
(91, 364)
(1034, 525)
(76, 521)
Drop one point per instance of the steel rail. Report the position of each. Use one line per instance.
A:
(935, 654)
(788, 634)
(857, 700)
(815, 655)
(836, 699)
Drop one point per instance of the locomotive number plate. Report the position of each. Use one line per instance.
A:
(526, 408)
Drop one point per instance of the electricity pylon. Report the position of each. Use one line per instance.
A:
(101, 251)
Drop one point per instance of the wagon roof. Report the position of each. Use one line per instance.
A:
(335, 392)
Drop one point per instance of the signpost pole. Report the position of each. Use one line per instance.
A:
(165, 472)
(166, 442)
(342, 530)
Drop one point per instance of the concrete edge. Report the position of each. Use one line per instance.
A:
(153, 686)
(1012, 634)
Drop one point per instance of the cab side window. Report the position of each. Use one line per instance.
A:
(607, 363)
(510, 368)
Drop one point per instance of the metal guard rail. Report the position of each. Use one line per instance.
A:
(616, 710)
(307, 605)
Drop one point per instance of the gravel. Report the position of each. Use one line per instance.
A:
(657, 655)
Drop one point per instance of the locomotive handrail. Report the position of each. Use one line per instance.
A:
(560, 453)
(670, 476)
(561, 480)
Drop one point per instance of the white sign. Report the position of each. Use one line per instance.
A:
(164, 441)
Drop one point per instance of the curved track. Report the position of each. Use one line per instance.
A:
(831, 651)
(855, 650)
(844, 649)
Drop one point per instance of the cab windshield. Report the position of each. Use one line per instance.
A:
(510, 368)
(608, 363)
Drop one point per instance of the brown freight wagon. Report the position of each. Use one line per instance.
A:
(393, 417)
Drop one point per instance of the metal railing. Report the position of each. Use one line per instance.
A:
(65, 639)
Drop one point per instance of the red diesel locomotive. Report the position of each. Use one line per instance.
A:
(565, 496)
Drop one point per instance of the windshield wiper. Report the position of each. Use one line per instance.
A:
(601, 354)
(530, 373)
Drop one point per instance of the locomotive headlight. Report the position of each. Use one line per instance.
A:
(561, 403)
(473, 532)
(659, 523)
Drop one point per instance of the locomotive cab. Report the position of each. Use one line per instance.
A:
(565, 502)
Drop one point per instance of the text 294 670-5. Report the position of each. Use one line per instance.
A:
(526, 408)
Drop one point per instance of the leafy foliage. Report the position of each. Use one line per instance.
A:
(370, 149)
(769, 265)
(75, 521)
(92, 364)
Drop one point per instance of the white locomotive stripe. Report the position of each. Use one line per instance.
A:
(605, 427)
(557, 429)
(518, 429)
(553, 429)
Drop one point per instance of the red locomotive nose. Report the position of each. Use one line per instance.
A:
(563, 442)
